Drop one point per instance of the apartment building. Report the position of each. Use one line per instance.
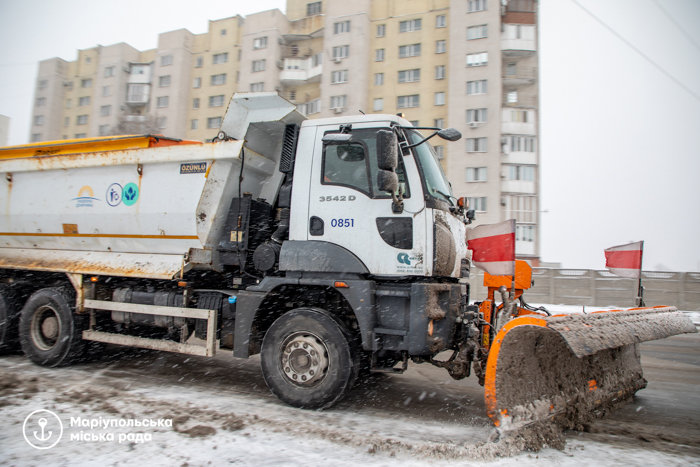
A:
(467, 64)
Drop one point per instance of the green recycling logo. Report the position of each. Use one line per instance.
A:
(130, 194)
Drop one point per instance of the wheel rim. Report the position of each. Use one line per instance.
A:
(304, 359)
(45, 328)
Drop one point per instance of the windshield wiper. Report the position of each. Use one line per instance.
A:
(448, 197)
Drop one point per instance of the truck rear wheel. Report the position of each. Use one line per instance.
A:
(307, 359)
(49, 331)
(9, 319)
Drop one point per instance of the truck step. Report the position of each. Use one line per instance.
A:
(145, 343)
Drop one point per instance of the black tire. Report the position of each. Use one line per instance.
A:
(49, 331)
(10, 306)
(308, 360)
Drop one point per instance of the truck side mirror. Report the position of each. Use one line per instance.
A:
(389, 181)
(450, 134)
(387, 150)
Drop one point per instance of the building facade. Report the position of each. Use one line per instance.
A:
(467, 64)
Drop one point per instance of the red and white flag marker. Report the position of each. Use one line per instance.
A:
(493, 247)
(625, 260)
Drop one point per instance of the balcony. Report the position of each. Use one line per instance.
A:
(518, 186)
(518, 39)
(519, 76)
(299, 70)
(518, 121)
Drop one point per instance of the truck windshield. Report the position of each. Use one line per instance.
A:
(435, 182)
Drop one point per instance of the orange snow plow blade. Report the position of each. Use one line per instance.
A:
(570, 368)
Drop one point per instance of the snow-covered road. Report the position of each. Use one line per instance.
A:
(199, 412)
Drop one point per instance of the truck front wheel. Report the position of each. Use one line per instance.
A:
(49, 331)
(307, 360)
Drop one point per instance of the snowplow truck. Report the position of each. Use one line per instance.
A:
(328, 246)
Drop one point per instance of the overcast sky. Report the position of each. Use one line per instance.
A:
(620, 134)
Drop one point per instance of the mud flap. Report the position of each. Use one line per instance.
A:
(571, 368)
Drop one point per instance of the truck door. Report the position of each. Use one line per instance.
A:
(347, 208)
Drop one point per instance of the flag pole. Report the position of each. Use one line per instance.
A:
(640, 288)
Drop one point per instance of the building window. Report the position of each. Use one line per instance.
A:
(40, 101)
(412, 50)
(341, 51)
(197, 83)
(194, 124)
(81, 120)
(195, 103)
(476, 174)
(378, 104)
(439, 98)
(524, 233)
(223, 32)
(441, 21)
(517, 143)
(105, 110)
(258, 65)
(86, 83)
(381, 30)
(521, 208)
(477, 203)
(166, 60)
(338, 102)
(162, 102)
(43, 84)
(313, 8)
(379, 55)
(36, 137)
(477, 87)
(520, 116)
(220, 58)
(137, 93)
(293, 95)
(477, 32)
(341, 27)
(476, 5)
(162, 122)
(413, 122)
(409, 76)
(106, 91)
(378, 79)
(257, 87)
(213, 122)
(476, 145)
(103, 130)
(66, 121)
(405, 102)
(512, 97)
(109, 71)
(476, 115)
(199, 62)
(69, 103)
(39, 120)
(440, 47)
(85, 100)
(316, 59)
(439, 123)
(164, 81)
(311, 107)
(410, 25)
(340, 76)
(218, 80)
(527, 6)
(260, 43)
(479, 59)
(216, 101)
(80, 135)
(524, 173)
(440, 72)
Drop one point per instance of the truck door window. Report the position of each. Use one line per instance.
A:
(354, 164)
(345, 164)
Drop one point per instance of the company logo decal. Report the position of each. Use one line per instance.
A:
(130, 194)
(404, 259)
(193, 168)
(409, 263)
(85, 198)
(114, 194)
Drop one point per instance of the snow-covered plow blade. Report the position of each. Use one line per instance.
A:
(569, 368)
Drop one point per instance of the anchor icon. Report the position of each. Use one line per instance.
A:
(42, 423)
